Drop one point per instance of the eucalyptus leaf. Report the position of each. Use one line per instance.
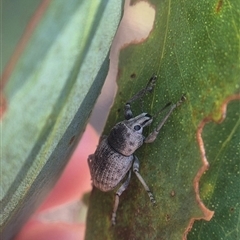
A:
(49, 96)
(194, 50)
(220, 186)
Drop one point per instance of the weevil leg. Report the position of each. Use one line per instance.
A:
(118, 194)
(152, 136)
(136, 165)
(150, 85)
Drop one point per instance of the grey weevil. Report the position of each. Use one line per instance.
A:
(114, 159)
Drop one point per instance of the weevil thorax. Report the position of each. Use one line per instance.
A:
(126, 136)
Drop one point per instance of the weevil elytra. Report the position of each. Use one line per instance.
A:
(114, 159)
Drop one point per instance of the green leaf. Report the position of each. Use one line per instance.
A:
(49, 97)
(194, 49)
(220, 186)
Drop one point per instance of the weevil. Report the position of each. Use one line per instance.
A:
(114, 159)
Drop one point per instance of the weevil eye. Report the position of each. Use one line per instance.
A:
(137, 127)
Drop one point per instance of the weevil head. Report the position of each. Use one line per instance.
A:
(126, 137)
(137, 123)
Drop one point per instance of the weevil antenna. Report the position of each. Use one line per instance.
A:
(161, 110)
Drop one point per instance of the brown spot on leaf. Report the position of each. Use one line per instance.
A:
(219, 6)
(71, 140)
(231, 209)
(208, 214)
(3, 104)
(167, 217)
(133, 75)
(173, 193)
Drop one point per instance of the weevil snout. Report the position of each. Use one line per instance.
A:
(139, 122)
(148, 115)
(146, 120)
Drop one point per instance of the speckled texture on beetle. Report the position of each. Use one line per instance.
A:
(114, 159)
